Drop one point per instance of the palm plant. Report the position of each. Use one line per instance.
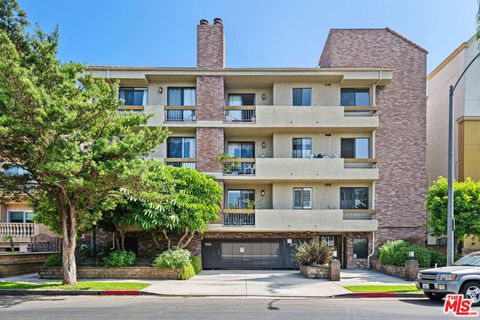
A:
(312, 253)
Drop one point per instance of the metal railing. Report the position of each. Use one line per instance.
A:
(360, 163)
(358, 214)
(180, 114)
(181, 162)
(360, 111)
(240, 114)
(239, 219)
(16, 230)
(239, 166)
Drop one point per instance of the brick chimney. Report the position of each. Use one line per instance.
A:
(210, 45)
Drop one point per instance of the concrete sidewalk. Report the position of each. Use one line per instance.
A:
(252, 283)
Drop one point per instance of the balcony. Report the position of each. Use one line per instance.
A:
(238, 217)
(180, 162)
(131, 109)
(180, 113)
(19, 231)
(239, 166)
(360, 111)
(332, 169)
(272, 220)
(239, 113)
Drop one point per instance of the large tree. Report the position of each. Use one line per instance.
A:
(467, 208)
(63, 128)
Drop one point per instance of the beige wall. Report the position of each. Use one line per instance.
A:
(322, 95)
(323, 196)
(321, 143)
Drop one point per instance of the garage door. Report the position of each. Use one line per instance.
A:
(247, 254)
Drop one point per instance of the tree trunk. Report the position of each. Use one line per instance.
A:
(69, 228)
(183, 246)
(169, 241)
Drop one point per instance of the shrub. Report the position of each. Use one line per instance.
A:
(439, 259)
(393, 252)
(173, 259)
(312, 253)
(55, 260)
(85, 250)
(197, 264)
(422, 255)
(187, 272)
(119, 258)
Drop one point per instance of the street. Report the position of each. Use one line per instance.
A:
(149, 307)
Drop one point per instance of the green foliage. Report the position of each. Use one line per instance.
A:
(85, 250)
(197, 263)
(467, 207)
(175, 258)
(187, 272)
(396, 253)
(55, 260)
(119, 258)
(312, 253)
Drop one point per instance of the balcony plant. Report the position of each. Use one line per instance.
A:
(231, 164)
(313, 258)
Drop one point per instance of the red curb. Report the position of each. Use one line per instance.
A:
(375, 294)
(121, 292)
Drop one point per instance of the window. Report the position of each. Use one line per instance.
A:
(354, 97)
(354, 198)
(302, 147)
(240, 199)
(355, 148)
(241, 149)
(133, 96)
(180, 147)
(181, 96)
(302, 198)
(241, 99)
(360, 248)
(20, 216)
(302, 96)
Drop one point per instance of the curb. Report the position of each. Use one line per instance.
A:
(17, 292)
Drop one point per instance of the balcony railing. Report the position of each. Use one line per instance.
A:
(181, 162)
(358, 214)
(132, 109)
(240, 113)
(180, 113)
(359, 163)
(16, 230)
(239, 166)
(360, 111)
(239, 217)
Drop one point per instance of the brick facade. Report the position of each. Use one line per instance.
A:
(400, 141)
(210, 144)
(210, 45)
(210, 98)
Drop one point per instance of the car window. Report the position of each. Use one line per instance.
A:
(469, 260)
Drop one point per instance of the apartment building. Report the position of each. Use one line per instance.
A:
(466, 115)
(335, 152)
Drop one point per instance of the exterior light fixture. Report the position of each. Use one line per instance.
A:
(160, 89)
(264, 145)
(411, 254)
(264, 96)
(334, 254)
(289, 241)
(262, 193)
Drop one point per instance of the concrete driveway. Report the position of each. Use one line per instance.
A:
(248, 284)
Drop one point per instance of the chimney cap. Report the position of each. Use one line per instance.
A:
(203, 22)
(217, 21)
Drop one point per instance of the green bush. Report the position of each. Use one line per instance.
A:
(173, 259)
(187, 272)
(422, 255)
(312, 253)
(85, 250)
(119, 258)
(392, 252)
(55, 260)
(197, 264)
(439, 259)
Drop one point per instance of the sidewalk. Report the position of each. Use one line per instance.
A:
(253, 283)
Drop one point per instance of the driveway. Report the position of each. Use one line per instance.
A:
(248, 284)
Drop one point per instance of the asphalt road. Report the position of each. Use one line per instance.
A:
(145, 307)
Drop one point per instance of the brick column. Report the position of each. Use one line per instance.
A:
(209, 145)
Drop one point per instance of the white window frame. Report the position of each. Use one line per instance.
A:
(303, 189)
(24, 215)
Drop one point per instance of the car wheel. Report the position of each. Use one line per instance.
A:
(435, 296)
(471, 290)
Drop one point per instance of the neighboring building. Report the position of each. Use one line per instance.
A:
(335, 152)
(467, 119)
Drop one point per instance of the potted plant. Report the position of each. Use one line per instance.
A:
(313, 258)
(231, 164)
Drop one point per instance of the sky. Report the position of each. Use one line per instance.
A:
(259, 33)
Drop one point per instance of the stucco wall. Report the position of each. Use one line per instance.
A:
(322, 95)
